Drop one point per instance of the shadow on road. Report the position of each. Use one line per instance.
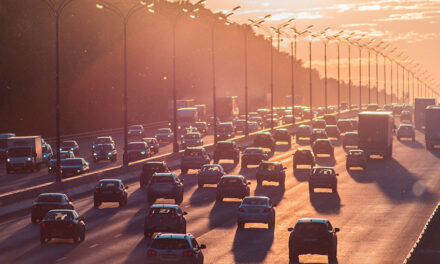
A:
(412, 144)
(251, 245)
(224, 214)
(228, 167)
(137, 255)
(274, 192)
(203, 196)
(303, 142)
(302, 174)
(282, 147)
(325, 161)
(325, 202)
(361, 176)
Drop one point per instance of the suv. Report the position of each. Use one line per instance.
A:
(225, 130)
(70, 145)
(177, 248)
(282, 135)
(74, 166)
(164, 218)
(253, 156)
(356, 158)
(265, 140)
(350, 139)
(138, 151)
(323, 177)
(48, 201)
(344, 125)
(232, 186)
(319, 124)
(256, 209)
(303, 157)
(164, 135)
(209, 174)
(149, 168)
(406, 131)
(271, 171)
(240, 125)
(317, 133)
(165, 185)
(333, 132)
(192, 140)
(406, 116)
(312, 236)
(104, 152)
(62, 224)
(110, 190)
(153, 144)
(202, 127)
(303, 131)
(194, 158)
(323, 146)
(226, 150)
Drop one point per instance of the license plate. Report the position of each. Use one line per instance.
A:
(254, 211)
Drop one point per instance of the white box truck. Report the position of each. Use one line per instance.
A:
(24, 153)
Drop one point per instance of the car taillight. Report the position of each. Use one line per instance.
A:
(43, 224)
(188, 253)
(240, 209)
(173, 183)
(59, 206)
(150, 182)
(34, 206)
(97, 191)
(117, 191)
(70, 225)
(149, 216)
(151, 252)
(173, 216)
(266, 210)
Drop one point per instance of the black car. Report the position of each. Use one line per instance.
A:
(232, 186)
(153, 143)
(226, 150)
(312, 236)
(344, 125)
(323, 146)
(272, 171)
(164, 218)
(225, 130)
(194, 158)
(240, 125)
(104, 152)
(110, 190)
(333, 132)
(351, 139)
(138, 151)
(53, 160)
(323, 177)
(71, 145)
(149, 168)
(165, 185)
(356, 158)
(330, 119)
(282, 135)
(303, 131)
(62, 224)
(319, 124)
(303, 157)
(265, 140)
(202, 127)
(317, 133)
(48, 201)
(253, 156)
(103, 140)
(74, 166)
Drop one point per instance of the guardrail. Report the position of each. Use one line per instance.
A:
(21, 199)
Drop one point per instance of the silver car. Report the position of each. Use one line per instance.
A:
(256, 209)
(194, 139)
(210, 174)
(175, 248)
(406, 130)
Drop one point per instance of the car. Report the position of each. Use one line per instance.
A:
(187, 130)
(312, 236)
(272, 171)
(405, 116)
(4, 145)
(406, 130)
(323, 177)
(265, 140)
(256, 209)
(240, 125)
(62, 223)
(316, 134)
(232, 186)
(356, 158)
(149, 168)
(202, 127)
(226, 150)
(225, 131)
(269, 122)
(303, 156)
(330, 119)
(323, 146)
(48, 201)
(110, 190)
(153, 144)
(194, 158)
(74, 166)
(53, 161)
(71, 145)
(344, 125)
(164, 218)
(138, 151)
(282, 135)
(164, 135)
(354, 124)
(103, 140)
(47, 153)
(165, 185)
(211, 121)
(303, 131)
(192, 140)
(253, 126)
(351, 139)
(175, 248)
(319, 124)
(257, 119)
(209, 174)
(333, 131)
(287, 119)
(253, 156)
(136, 131)
(105, 151)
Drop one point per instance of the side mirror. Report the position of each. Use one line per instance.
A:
(248, 183)
(274, 205)
(290, 229)
(126, 187)
(284, 168)
(337, 174)
(336, 229)
(202, 246)
(185, 213)
(82, 218)
(182, 180)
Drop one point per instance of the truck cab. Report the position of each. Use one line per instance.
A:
(24, 153)
(375, 130)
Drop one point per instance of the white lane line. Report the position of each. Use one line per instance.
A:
(94, 245)
(61, 259)
(118, 235)
(286, 160)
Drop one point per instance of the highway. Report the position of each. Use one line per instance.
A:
(380, 212)
(20, 180)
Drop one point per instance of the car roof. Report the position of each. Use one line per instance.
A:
(136, 142)
(175, 206)
(82, 159)
(312, 220)
(173, 235)
(232, 176)
(281, 129)
(225, 142)
(355, 150)
(193, 133)
(164, 174)
(50, 194)
(62, 210)
(322, 140)
(270, 162)
(150, 138)
(308, 126)
(69, 141)
(303, 149)
(323, 167)
(406, 124)
(257, 197)
(194, 148)
(106, 137)
(110, 180)
(351, 133)
(154, 162)
(329, 126)
(253, 148)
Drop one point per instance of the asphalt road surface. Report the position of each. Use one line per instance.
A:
(380, 212)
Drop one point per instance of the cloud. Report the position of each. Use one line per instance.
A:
(359, 25)
(411, 16)
(369, 7)
(412, 37)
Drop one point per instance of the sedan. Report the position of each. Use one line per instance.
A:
(209, 174)
(62, 224)
(256, 209)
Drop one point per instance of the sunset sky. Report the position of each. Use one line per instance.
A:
(410, 26)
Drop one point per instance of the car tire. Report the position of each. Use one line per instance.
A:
(96, 203)
(311, 189)
(43, 239)
(83, 236)
(218, 198)
(243, 165)
(184, 171)
(240, 225)
(200, 185)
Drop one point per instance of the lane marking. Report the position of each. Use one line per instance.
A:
(61, 259)
(118, 235)
(94, 245)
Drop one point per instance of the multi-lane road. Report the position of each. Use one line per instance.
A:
(380, 212)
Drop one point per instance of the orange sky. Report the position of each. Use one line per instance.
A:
(410, 26)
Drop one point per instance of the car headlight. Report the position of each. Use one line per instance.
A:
(143, 152)
(29, 159)
(45, 155)
(95, 154)
(109, 154)
(229, 135)
(8, 160)
(169, 135)
(78, 170)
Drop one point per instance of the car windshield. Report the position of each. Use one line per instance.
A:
(162, 179)
(191, 136)
(19, 152)
(193, 153)
(103, 140)
(224, 145)
(164, 210)
(405, 128)
(231, 180)
(163, 130)
(136, 146)
(210, 169)
(154, 167)
(310, 229)
(104, 147)
(254, 201)
(50, 198)
(71, 162)
(137, 127)
(108, 184)
(323, 171)
(170, 243)
(356, 153)
(225, 128)
(68, 144)
(268, 166)
(253, 151)
(59, 216)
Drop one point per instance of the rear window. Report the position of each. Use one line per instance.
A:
(231, 180)
(71, 162)
(170, 243)
(323, 171)
(210, 169)
(253, 201)
(193, 152)
(155, 167)
(139, 146)
(59, 216)
(268, 167)
(310, 228)
(108, 185)
(253, 151)
(50, 198)
(162, 211)
(162, 179)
